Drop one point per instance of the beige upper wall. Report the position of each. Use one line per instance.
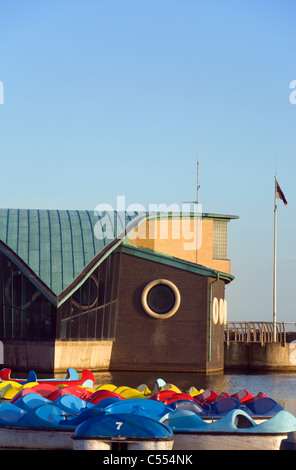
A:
(175, 238)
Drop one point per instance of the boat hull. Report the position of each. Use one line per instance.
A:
(35, 438)
(103, 443)
(228, 441)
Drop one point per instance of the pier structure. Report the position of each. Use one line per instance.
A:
(260, 346)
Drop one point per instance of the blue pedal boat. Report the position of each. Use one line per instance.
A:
(30, 401)
(44, 427)
(105, 402)
(190, 406)
(72, 403)
(140, 406)
(122, 431)
(259, 410)
(264, 407)
(234, 431)
(10, 414)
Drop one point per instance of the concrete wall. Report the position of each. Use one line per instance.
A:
(273, 357)
(93, 355)
(21, 355)
(56, 356)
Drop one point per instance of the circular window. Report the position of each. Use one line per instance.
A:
(161, 299)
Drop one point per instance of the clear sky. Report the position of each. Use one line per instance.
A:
(103, 98)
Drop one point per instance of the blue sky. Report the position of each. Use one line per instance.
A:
(103, 98)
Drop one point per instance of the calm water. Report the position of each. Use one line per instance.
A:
(280, 387)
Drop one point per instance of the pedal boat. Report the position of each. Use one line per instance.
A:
(87, 378)
(234, 431)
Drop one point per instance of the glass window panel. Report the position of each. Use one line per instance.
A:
(47, 319)
(26, 295)
(75, 308)
(7, 275)
(36, 313)
(106, 322)
(74, 330)
(112, 320)
(219, 239)
(7, 321)
(76, 296)
(84, 293)
(108, 289)
(16, 287)
(115, 274)
(161, 299)
(92, 323)
(65, 329)
(16, 323)
(35, 324)
(1, 278)
(65, 309)
(93, 292)
(100, 317)
(83, 326)
(102, 283)
(25, 324)
(87, 321)
(1, 321)
(25, 312)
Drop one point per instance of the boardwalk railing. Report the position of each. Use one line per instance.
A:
(260, 332)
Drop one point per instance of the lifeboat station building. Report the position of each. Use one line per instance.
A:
(112, 291)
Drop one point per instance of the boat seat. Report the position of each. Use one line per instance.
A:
(10, 414)
(187, 405)
(32, 377)
(264, 406)
(30, 401)
(242, 422)
(225, 405)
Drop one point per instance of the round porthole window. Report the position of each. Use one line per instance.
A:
(161, 299)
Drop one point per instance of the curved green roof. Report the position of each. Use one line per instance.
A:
(58, 248)
(58, 244)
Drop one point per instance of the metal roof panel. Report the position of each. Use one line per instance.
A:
(57, 244)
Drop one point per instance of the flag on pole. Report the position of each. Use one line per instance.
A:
(280, 194)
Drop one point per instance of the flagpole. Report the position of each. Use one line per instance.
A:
(197, 188)
(278, 193)
(274, 263)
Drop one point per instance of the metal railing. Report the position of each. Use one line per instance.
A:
(259, 332)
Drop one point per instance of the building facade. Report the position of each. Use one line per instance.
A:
(111, 291)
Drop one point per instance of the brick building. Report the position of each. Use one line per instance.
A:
(113, 292)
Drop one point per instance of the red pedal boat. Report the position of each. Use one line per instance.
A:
(87, 378)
